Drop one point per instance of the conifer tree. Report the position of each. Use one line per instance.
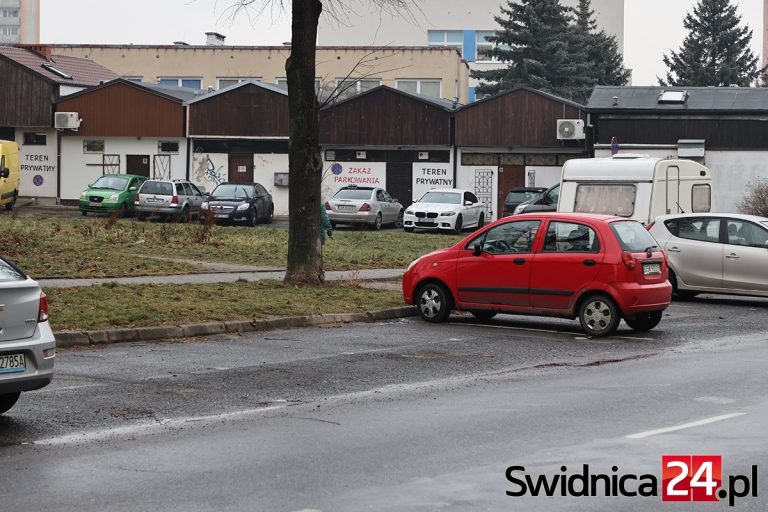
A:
(716, 50)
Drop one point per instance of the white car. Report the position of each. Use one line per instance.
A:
(449, 209)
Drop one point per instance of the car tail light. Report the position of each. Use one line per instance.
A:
(328, 206)
(42, 314)
(175, 200)
(137, 200)
(649, 226)
(629, 260)
(365, 208)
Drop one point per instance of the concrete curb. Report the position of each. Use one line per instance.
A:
(65, 339)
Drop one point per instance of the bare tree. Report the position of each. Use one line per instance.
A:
(305, 265)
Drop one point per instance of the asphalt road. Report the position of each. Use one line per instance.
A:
(394, 416)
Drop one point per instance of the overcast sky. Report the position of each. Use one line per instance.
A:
(651, 27)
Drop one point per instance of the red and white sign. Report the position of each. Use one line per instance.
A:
(691, 477)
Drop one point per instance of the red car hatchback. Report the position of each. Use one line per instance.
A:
(595, 267)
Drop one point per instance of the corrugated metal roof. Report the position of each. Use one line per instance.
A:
(226, 90)
(698, 99)
(444, 104)
(82, 71)
(553, 97)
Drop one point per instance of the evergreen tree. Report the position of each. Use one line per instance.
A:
(534, 41)
(716, 51)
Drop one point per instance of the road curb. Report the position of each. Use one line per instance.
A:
(65, 339)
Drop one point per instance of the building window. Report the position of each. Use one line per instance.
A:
(191, 83)
(283, 84)
(168, 147)
(93, 146)
(426, 87)
(484, 46)
(136, 79)
(35, 139)
(230, 81)
(9, 13)
(9, 31)
(347, 87)
(452, 38)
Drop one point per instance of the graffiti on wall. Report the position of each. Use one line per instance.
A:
(206, 172)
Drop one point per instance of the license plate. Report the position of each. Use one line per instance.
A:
(221, 215)
(346, 208)
(651, 268)
(155, 200)
(12, 363)
(94, 203)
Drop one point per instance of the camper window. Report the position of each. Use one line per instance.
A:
(701, 198)
(609, 198)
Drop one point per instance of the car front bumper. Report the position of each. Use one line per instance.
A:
(104, 207)
(439, 222)
(39, 371)
(232, 216)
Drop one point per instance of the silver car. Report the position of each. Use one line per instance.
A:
(170, 199)
(27, 345)
(715, 252)
(369, 206)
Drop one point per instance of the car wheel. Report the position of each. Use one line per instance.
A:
(185, 215)
(459, 225)
(434, 302)
(681, 294)
(8, 400)
(9, 206)
(270, 215)
(408, 230)
(122, 212)
(599, 315)
(376, 226)
(481, 221)
(483, 315)
(399, 221)
(254, 218)
(644, 321)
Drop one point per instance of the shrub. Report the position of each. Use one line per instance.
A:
(755, 200)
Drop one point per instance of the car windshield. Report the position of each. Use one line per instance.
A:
(441, 197)
(632, 236)
(162, 188)
(764, 223)
(111, 183)
(351, 193)
(232, 191)
(519, 197)
(10, 273)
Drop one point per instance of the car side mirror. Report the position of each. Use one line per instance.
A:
(394, 200)
(5, 172)
(477, 250)
(132, 189)
(468, 203)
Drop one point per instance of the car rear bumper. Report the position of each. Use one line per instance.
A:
(633, 298)
(158, 210)
(39, 371)
(352, 217)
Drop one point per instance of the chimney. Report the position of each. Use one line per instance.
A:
(214, 39)
(41, 49)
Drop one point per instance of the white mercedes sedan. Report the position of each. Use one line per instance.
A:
(445, 209)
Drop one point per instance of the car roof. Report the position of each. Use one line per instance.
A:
(742, 216)
(447, 190)
(528, 189)
(600, 217)
(353, 187)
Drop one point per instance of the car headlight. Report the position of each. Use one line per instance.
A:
(204, 206)
(242, 207)
(413, 263)
(85, 193)
(409, 212)
(114, 197)
(519, 209)
(448, 214)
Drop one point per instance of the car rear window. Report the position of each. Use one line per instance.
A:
(632, 236)
(9, 272)
(162, 188)
(519, 197)
(352, 194)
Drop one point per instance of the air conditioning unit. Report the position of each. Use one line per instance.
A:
(570, 129)
(66, 121)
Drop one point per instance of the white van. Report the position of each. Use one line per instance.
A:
(637, 187)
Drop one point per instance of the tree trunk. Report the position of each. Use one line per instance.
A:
(305, 264)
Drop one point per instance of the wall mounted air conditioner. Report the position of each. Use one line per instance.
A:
(66, 121)
(570, 129)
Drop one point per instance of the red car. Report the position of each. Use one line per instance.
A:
(595, 267)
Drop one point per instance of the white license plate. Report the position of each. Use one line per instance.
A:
(221, 215)
(12, 363)
(155, 200)
(651, 268)
(346, 208)
(94, 203)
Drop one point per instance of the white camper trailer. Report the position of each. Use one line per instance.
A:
(637, 187)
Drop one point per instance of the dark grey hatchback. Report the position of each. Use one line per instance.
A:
(238, 202)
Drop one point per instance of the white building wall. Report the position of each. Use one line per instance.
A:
(38, 166)
(208, 170)
(78, 168)
(483, 181)
(264, 168)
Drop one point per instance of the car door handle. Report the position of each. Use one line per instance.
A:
(519, 261)
(589, 263)
(732, 256)
(673, 249)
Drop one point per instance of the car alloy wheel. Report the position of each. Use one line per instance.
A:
(644, 321)
(376, 226)
(459, 225)
(433, 301)
(599, 315)
(399, 221)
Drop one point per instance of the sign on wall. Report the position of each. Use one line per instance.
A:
(363, 174)
(38, 170)
(427, 176)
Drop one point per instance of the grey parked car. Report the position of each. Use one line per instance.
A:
(170, 199)
(368, 206)
(715, 252)
(27, 345)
